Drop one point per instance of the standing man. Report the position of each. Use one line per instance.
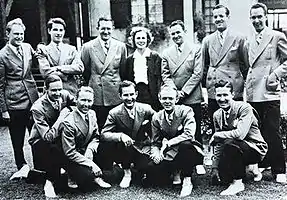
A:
(104, 59)
(181, 67)
(223, 58)
(18, 89)
(128, 127)
(237, 140)
(80, 140)
(59, 58)
(174, 146)
(48, 112)
(267, 51)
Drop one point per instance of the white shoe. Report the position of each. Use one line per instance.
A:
(22, 173)
(49, 189)
(176, 178)
(125, 183)
(72, 184)
(62, 171)
(186, 187)
(262, 169)
(281, 178)
(102, 183)
(200, 169)
(234, 188)
(255, 171)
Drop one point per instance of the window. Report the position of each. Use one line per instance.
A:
(172, 10)
(121, 12)
(208, 6)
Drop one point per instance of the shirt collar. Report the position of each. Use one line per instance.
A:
(102, 42)
(146, 53)
(169, 116)
(57, 45)
(81, 114)
(55, 104)
(261, 32)
(224, 33)
(131, 112)
(13, 48)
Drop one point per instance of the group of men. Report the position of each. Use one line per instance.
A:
(88, 129)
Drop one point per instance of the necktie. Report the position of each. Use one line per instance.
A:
(106, 47)
(87, 118)
(179, 49)
(221, 38)
(225, 117)
(259, 38)
(20, 52)
(56, 105)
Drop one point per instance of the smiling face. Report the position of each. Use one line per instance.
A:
(220, 19)
(85, 101)
(16, 35)
(57, 32)
(177, 34)
(129, 96)
(224, 97)
(258, 19)
(105, 29)
(168, 98)
(141, 40)
(54, 90)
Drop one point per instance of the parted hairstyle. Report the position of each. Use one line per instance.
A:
(16, 21)
(125, 83)
(224, 83)
(51, 79)
(85, 89)
(177, 22)
(56, 20)
(136, 30)
(105, 19)
(227, 12)
(259, 5)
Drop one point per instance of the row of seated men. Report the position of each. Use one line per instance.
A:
(155, 145)
(103, 63)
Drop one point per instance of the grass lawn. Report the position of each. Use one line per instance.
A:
(266, 189)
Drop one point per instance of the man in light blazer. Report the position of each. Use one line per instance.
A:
(174, 146)
(128, 127)
(104, 59)
(223, 57)
(18, 89)
(237, 140)
(267, 51)
(48, 112)
(182, 67)
(80, 140)
(59, 58)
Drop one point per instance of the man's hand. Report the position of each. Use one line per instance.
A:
(181, 94)
(97, 171)
(49, 137)
(6, 116)
(165, 145)
(215, 138)
(126, 140)
(89, 154)
(156, 158)
(215, 178)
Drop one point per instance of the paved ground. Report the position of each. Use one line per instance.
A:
(265, 190)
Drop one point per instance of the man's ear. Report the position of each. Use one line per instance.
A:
(177, 97)
(7, 33)
(137, 93)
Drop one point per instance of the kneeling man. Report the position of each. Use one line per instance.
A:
(173, 139)
(237, 139)
(128, 125)
(80, 140)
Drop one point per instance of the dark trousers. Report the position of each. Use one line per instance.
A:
(145, 96)
(102, 114)
(48, 157)
(185, 160)
(235, 156)
(213, 106)
(197, 116)
(269, 114)
(19, 121)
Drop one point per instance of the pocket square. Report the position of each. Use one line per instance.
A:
(180, 127)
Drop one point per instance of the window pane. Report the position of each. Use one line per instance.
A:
(138, 11)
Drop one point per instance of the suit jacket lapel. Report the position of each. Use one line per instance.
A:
(12, 56)
(266, 38)
(226, 46)
(98, 50)
(111, 54)
(80, 123)
(47, 106)
(186, 51)
(26, 55)
(137, 121)
(125, 118)
(64, 54)
(215, 44)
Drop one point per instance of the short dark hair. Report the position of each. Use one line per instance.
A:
(125, 83)
(105, 19)
(85, 89)
(224, 83)
(51, 79)
(177, 22)
(259, 5)
(218, 6)
(56, 20)
(145, 30)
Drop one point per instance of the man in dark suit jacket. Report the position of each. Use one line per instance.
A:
(18, 89)
(182, 67)
(173, 139)
(128, 125)
(80, 140)
(104, 59)
(267, 51)
(237, 140)
(223, 57)
(59, 58)
(48, 112)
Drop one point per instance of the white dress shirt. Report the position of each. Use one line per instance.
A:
(140, 66)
